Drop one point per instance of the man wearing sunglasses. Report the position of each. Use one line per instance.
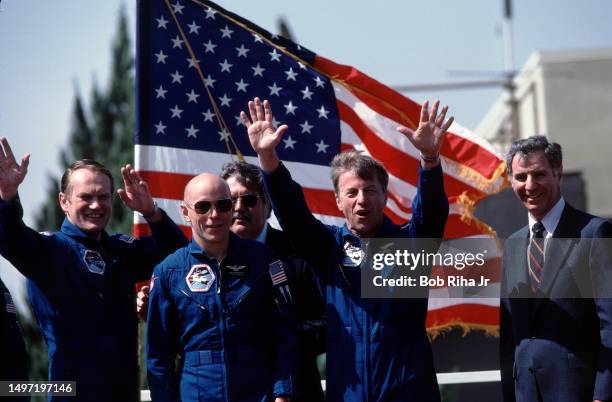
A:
(378, 349)
(216, 304)
(80, 279)
(250, 221)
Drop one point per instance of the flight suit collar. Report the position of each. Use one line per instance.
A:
(386, 230)
(195, 249)
(72, 230)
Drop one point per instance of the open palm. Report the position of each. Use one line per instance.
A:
(11, 174)
(264, 137)
(429, 135)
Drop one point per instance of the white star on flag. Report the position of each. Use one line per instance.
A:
(210, 47)
(258, 70)
(274, 55)
(176, 112)
(275, 90)
(209, 81)
(291, 74)
(178, 8)
(161, 22)
(225, 101)
(161, 57)
(242, 51)
(306, 93)
(176, 77)
(225, 66)
(306, 127)
(192, 131)
(226, 32)
(289, 142)
(208, 115)
(242, 86)
(322, 112)
(290, 108)
(160, 93)
(194, 28)
(177, 42)
(160, 128)
(192, 97)
(322, 147)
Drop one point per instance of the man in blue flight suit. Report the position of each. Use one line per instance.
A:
(251, 212)
(378, 349)
(80, 279)
(221, 303)
(14, 363)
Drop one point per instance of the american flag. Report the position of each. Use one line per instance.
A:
(277, 273)
(197, 67)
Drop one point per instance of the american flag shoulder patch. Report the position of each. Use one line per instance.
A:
(277, 273)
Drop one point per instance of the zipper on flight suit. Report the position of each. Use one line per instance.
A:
(222, 310)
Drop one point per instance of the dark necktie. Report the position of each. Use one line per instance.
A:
(536, 256)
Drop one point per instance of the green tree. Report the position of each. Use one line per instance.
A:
(104, 132)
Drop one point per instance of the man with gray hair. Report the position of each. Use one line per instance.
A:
(556, 311)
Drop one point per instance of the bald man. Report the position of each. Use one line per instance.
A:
(218, 302)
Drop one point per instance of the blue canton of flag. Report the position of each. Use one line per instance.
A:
(204, 64)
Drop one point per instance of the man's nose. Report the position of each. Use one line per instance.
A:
(530, 182)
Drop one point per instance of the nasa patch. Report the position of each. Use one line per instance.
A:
(353, 254)
(94, 262)
(200, 278)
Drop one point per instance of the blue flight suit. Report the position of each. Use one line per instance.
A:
(378, 349)
(228, 322)
(82, 293)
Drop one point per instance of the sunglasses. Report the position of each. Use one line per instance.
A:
(248, 200)
(202, 207)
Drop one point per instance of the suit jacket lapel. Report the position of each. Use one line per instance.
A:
(558, 248)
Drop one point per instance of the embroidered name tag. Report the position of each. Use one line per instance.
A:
(236, 271)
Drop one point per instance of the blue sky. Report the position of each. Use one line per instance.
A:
(52, 49)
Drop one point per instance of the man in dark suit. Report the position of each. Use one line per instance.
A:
(556, 311)
(251, 211)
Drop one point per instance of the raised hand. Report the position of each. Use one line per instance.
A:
(135, 194)
(11, 174)
(264, 137)
(429, 135)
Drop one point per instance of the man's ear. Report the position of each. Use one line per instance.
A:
(185, 212)
(63, 201)
(338, 204)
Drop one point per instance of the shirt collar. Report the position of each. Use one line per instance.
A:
(72, 230)
(264, 233)
(551, 219)
(194, 247)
